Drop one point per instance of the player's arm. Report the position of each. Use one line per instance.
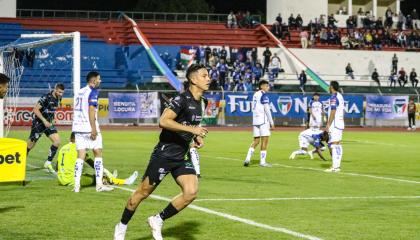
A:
(167, 121)
(268, 114)
(92, 121)
(319, 152)
(38, 114)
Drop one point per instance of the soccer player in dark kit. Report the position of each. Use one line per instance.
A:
(43, 123)
(180, 126)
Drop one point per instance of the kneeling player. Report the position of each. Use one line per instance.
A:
(65, 162)
(311, 137)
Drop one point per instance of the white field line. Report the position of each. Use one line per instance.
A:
(235, 218)
(302, 198)
(322, 170)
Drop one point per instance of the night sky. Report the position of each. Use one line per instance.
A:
(220, 6)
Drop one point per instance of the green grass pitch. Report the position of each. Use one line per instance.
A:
(369, 199)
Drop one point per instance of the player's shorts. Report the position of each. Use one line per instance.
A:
(160, 166)
(335, 134)
(83, 141)
(262, 130)
(303, 142)
(38, 128)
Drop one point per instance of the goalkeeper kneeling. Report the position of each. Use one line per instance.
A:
(65, 169)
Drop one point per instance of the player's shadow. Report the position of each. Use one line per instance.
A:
(9, 208)
(181, 231)
(325, 165)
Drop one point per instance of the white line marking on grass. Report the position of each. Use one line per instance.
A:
(322, 170)
(235, 218)
(303, 198)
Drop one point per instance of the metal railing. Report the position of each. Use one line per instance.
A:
(139, 16)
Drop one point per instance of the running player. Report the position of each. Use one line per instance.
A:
(43, 123)
(86, 129)
(66, 159)
(313, 137)
(180, 123)
(262, 122)
(316, 112)
(335, 126)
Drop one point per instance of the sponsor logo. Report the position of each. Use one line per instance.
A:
(10, 158)
(400, 105)
(285, 104)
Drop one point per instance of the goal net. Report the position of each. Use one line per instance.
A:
(35, 63)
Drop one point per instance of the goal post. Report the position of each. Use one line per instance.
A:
(11, 66)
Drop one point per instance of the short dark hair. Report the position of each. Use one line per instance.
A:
(335, 85)
(192, 69)
(72, 135)
(90, 75)
(59, 86)
(4, 79)
(262, 82)
(316, 94)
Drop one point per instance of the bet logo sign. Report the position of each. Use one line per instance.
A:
(10, 158)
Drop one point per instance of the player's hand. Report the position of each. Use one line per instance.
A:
(47, 124)
(198, 142)
(199, 131)
(272, 126)
(93, 134)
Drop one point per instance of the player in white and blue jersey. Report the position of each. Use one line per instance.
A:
(262, 121)
(313, 137)
(87, 132)
(335, 126)
(316, 111)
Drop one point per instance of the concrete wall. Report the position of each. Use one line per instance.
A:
(8, 8)
(308, 9)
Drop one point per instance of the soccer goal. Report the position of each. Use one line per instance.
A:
(34, 62)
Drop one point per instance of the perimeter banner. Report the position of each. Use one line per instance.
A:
(386, 107)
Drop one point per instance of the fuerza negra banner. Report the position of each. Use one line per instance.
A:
(289, 105)
(386, 107)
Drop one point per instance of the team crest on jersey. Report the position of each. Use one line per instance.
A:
(400, 105)
(285, 104)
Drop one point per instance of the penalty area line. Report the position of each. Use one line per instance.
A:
(303, 198)
(234, 218)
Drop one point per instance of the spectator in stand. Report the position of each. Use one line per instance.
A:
(248, 86)
(304, 38)
(223, 53)
(402, 77)
(249, 23)
(257, 72)
(394, 63)
(223, 70)
(411, 110)
(368, 38)
(388, 18)
(393, 79)
(285, 32)
(413, 78)
(412, 39)
(345, 41)
(236, 75)
(207, 51)
(248, 75)
(331, 21)
(276, 30)
(378, 24)
(401, 21)
(415, 17)
(302, 80)
(360, 12)
(231, 21)
(299, 21)
(212, 60)
(349, 71)
(240, 19)
(402, 39)
(215, 53)
(267, 57)
(323, 36)
(376, 42)
(254, 55)
(350, 23)
(375, 77)
(332, 37)
(214, 76)
(279, 19)
(322, 21)
(386, 38)
(275, 65)
(409, 22)
(292, 21)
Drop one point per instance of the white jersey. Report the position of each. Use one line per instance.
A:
(337, 104)
(310, 136)
(86, 97)
(259, 114)
(316, 109)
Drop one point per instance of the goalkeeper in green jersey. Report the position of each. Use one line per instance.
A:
(65, 168)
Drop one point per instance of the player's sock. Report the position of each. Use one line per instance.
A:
(130, 180)
(249, 154)
(300, 152)
(168, 212)
(99, 171)
(337, 153)
(51, 154)
(195, 159)
(126, 216)
(263, 155)
(27, 150)
(78, 168)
